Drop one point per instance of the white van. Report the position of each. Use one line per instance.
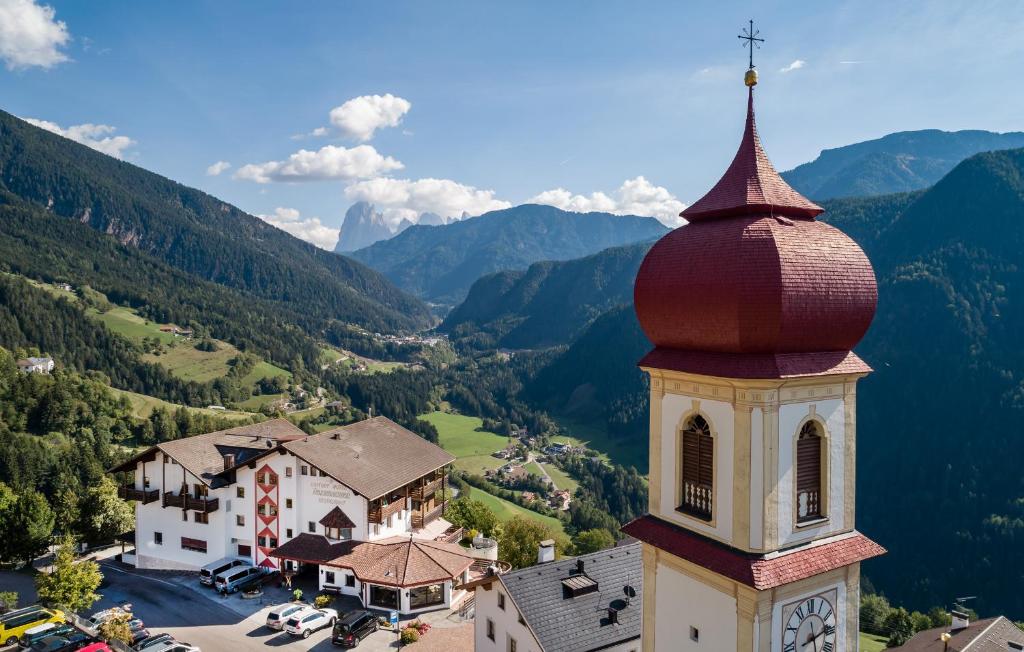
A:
(231, 579)
(213, 569)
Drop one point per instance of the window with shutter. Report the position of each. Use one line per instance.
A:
(697, 468)
(808, 473)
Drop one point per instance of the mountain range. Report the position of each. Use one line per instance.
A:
(364, 225)
(440, 264)
(939, 421)
(899, 162)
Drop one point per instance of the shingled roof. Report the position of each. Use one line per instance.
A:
(372, 457)
(203, 455)
(337, 519)
(987, 635)
(576, 624)
(760, 571)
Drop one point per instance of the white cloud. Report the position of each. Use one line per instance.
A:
(29, 35)
(361, 116)
(97, 137)
(316, 133)
(329, 162)
(310, 229)
(796, 65)
(634, 197)
(407, 198)
(217, 168)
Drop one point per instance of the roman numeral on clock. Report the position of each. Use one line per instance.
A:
(828, 647)
(789, 647)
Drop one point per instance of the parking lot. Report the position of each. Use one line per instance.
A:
(179, 606)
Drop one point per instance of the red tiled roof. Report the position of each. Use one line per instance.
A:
(756, 284)
(751, 185)
(755, 570)
(337, 519)
(762, 366)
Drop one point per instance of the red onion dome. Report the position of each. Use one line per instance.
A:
(754, 272)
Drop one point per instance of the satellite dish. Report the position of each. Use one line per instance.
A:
(629, 591)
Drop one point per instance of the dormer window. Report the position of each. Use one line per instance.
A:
(339, 533)
(809, 456)
(697, 468)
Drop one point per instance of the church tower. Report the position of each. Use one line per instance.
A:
(754, 308)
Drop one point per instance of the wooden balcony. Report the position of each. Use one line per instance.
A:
(420, 519)
(426, 490)
(697, 500)
(380, 513)
(129, 492)
(185, 501)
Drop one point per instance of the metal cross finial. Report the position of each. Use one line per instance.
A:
(750, 36)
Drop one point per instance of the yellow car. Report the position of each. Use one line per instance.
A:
(14, 624)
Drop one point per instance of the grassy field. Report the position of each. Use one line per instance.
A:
(534, 468)
(125, 321)
(561, 478)
(626, 453)
(505, 510)
(871, 643)
(462, 437)
(143, 406)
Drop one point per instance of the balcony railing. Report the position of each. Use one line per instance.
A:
(808, 505)
(427, 490)
(185, 501)
(129, 492)
(379, 513)
(697, 500)
(453, 534)
(422, 520)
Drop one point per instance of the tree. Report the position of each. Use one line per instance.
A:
(8, 601)
(26, 524)
(900, 627)
(471, 515)
(71, 584)
(519, 539)
(66, 511)
(116, 628)
(104, 515)
(874, 609)
(592, 541)
(921, 621)
(939, 617)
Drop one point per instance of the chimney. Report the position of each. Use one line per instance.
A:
(613, 616)
(229, 460)
(546, 551)
(960, 620)
(579, 567)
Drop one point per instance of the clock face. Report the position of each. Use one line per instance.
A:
(811, 627)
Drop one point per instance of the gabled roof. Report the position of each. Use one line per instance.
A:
(987, 635)
(337, 519)
(371, 457)
(576, 624)
(759, 571)
(751, 185)
(203, 455)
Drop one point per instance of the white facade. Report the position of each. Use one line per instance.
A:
(691, 615)
(504, 623)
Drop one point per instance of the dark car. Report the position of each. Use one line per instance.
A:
(62, 643)
(353, 628)
(51, 629)
(152, 641)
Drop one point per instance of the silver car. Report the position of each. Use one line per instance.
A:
(282, 612)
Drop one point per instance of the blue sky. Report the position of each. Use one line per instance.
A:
(505, 101)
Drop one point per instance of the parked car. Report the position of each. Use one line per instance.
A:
(14, 624)
(174, 646)
(33, 634)
(305, 623)
(138, 629)
(152, 641)
(230, 580)
(101, 617)
(281, 613)
(69, 642)
(96, 647)
(353, 628)
(210, 571)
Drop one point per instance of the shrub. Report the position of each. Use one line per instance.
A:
(297, 595)
(8, 601)
(410, 636)
(322, 600)
(116, 629)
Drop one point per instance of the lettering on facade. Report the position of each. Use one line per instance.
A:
(330, 492)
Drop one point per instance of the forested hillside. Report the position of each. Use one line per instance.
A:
(440, 263)
(900, 162)
(549, 304)
(194, 232)
(939, 420)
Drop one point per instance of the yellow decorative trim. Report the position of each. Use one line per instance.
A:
(765, 603)
(850, 460)
(741, 476)
(654, 484)
(746, 612)
(852, 606)
(770, 448)
(650, 561)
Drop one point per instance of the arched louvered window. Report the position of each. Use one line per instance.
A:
(809, 444)
(698, 463)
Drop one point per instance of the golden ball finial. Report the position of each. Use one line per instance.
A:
(750, 79)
